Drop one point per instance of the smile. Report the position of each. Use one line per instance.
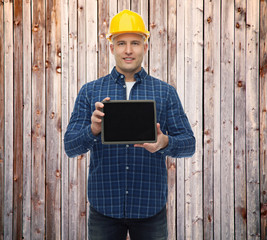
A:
(128, 59)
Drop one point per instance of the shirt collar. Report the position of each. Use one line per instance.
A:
(119, 78)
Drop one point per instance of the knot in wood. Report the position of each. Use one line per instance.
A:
(237, 25)
(58, 173)
(35, 27)
(264, 210)
(83, 214)
(35, 67)
(52, 115)
(58, 69)
(207, 132)
(17, 22)
(152, 25)
(47, 63)
(209, 20)
(240, 84)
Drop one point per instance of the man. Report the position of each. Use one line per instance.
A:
(127, 184)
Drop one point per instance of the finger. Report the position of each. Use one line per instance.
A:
(139, 145)
(98, 114)
(106, 99)
(96, 119)
(99, 105)
(158, 129)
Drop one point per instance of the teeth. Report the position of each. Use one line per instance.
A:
(128, 58)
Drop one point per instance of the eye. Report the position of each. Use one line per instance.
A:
(120, 43)
(136, 43)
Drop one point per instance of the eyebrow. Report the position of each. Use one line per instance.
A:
(132, 41)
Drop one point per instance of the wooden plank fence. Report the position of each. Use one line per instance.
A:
(214, 52)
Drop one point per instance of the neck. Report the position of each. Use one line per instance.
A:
(129, 78)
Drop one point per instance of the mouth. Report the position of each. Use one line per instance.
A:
(128, 59)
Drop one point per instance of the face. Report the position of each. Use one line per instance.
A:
(128, 50)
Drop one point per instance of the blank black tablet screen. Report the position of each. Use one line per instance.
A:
(129, 122)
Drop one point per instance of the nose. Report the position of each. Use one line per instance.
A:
(128, 49)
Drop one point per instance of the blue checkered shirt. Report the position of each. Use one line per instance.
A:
(125, 181)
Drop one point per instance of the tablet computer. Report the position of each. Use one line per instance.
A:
(129, 122)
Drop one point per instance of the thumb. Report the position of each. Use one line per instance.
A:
(158, 129)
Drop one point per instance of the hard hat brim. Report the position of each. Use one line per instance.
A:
(109, 36)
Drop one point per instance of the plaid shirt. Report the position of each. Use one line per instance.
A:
(125, 181)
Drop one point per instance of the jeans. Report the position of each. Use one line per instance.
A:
(101, 227)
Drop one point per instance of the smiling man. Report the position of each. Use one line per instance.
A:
(127, 184)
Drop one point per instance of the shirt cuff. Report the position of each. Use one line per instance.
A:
(167, 150)
(90, 137)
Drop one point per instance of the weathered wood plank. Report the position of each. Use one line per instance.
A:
(141, 7)
(53, 119)
(73, 84)
(193, 108)
(2, 124)
(217, 116)
(82, 196)
(158, 39)
(252, 120)
(124, 4)
(113, 7)
(27, 122)
(65, 118)
(38, 119)
(18, 120)
(91, 59)
(240, 121)
(9, 117)
(263, 117)
(180, 82)
(103, 47)
(172, 73)
(227, 104)
(211, 119)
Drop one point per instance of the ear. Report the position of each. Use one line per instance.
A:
(145, 47)
(112, 48)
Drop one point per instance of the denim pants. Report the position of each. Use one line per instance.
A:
(101, 227)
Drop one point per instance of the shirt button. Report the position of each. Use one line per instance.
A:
(126, 192)
(124, 86)
(121, 76)
(127, 168)
(127, 146)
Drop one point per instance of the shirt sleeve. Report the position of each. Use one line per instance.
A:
(181, 137)
(79, 138)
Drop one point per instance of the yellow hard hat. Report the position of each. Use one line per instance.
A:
(127, 21)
